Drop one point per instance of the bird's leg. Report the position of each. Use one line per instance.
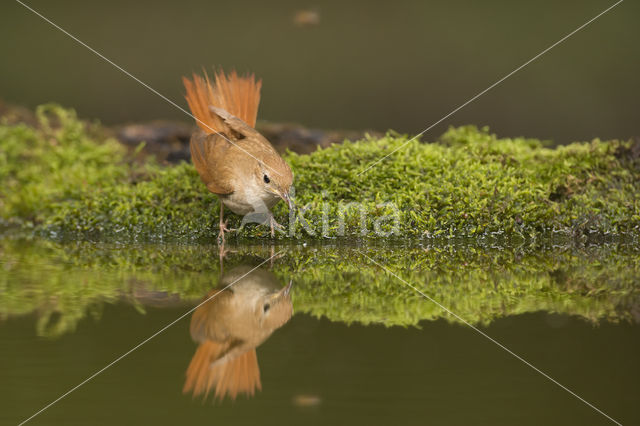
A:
(273, 254)
(222, 253)
(223, 226)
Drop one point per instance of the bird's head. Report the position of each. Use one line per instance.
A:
(275, 309)
(274, 176)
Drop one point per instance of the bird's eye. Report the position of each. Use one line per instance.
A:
(266, 179)
(266, 307)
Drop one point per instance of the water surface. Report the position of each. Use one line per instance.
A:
(360, 347)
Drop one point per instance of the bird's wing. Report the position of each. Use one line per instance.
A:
(235, 123)
(207, 322)
(247, 140)
(208, 154)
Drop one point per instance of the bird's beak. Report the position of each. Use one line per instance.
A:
(285, 197)
(284, 292)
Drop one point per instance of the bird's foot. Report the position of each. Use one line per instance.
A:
(275, 226)
(223, 229)
(223, 251)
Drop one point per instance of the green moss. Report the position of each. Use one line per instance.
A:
(43, 168)
(62, 178)
(64, 282)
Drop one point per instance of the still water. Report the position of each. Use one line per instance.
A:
(347, 343)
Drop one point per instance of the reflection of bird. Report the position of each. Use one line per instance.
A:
(235, 161)
(230, 326)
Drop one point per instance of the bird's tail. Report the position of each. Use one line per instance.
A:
(238, 95)
(206, 371)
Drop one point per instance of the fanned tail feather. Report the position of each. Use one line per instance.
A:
(229, 377)
(238, 95)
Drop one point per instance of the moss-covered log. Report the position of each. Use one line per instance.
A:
(61, 176)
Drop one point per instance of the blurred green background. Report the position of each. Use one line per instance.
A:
(360, 65)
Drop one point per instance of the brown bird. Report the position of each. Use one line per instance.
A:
(233, 160)
(230, 326)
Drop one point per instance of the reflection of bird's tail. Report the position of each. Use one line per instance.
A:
(238, 95)
(240, 374)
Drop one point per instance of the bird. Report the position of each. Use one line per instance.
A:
(234, 160)
(246, 308)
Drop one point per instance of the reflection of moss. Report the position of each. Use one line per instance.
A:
(477, 285)
(62, 283)
(62, 177)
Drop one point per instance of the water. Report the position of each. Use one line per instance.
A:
(360, 347)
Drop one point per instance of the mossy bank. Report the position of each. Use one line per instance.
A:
(62, 177)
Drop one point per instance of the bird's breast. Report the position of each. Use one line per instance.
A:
(248, 199)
